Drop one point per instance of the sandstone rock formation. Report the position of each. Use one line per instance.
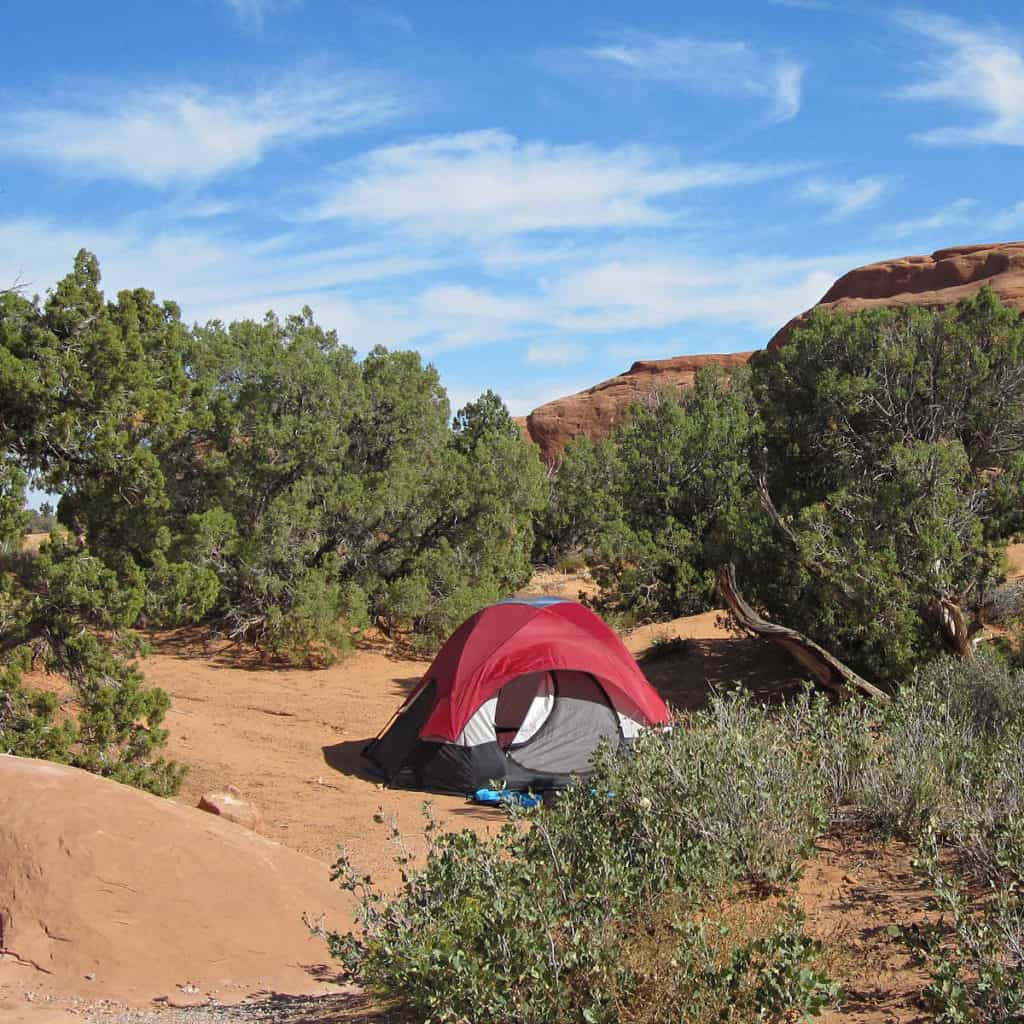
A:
(108, 892)
(944, 278)
(230, 804)
(593, 413)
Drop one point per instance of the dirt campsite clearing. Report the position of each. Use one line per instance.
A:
(290, 741)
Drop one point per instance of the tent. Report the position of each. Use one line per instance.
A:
(523, 692)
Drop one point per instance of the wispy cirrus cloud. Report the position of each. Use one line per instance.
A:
(372, 296)
(841, 199)
(252, 13)
(557, 353)
(1011, 219)
(971, 69)
(189, 134)
(618, 295)
(489, 183)
(732, 69)
(957, 212)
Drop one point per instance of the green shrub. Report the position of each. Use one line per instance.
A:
(937, 745)
(554, 918)
(893, 444)
(947, 769)
(491, 928)
(67, 612)
(977, 965)
(653, 508)
(725, 795)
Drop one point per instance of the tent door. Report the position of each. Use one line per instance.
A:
(523, 706)
(581, 717)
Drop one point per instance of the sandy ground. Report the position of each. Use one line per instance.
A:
(290, 740)
(1015, 555)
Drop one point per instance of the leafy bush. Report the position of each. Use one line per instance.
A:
(947, 768)
(893, 444)
(725, 795)
(257, 472)
(868, 470)
(934, 756)
(66, 611)
(556, 919)
(1004, 604)
(977, 967)
(653, 509)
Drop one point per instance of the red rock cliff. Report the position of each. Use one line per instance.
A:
(592, 413)
(945, 277)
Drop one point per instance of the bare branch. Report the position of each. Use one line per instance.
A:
(828, 670)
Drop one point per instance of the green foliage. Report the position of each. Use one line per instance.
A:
(977, 972)
(54, 611)
(13, 518)
(583, 500)
(946, 767)
(323, 492)
(893, 444)
(257, 473)
(725, 796)
(869, 468)
(28, 725)
(655, 509)
(620, 901)
(933, 764)
(88, 391)
(578, 914)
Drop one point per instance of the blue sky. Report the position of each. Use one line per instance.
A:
(532, 194)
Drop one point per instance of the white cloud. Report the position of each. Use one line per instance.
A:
(732, 69)
(975, 69)
(185, 133)
(251, 13)
(842, 198)
(370, 296)
(956, 212)
(489, 183)
(554, 354)
(213, 276)
(1009, 220)
(649, 294)
(526, 396)
(456, 300)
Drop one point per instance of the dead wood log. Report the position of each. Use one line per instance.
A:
(828, 670)
(957, 634)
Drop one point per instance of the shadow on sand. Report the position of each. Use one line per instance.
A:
(687, 677)
(347, 758)
(338, 1008)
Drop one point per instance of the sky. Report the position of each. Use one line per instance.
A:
(531, 194)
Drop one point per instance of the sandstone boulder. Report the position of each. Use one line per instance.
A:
(941, 279)
(110, 893)
(230, 804)
(593, 413)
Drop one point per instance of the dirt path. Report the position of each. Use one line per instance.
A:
(851, 892)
